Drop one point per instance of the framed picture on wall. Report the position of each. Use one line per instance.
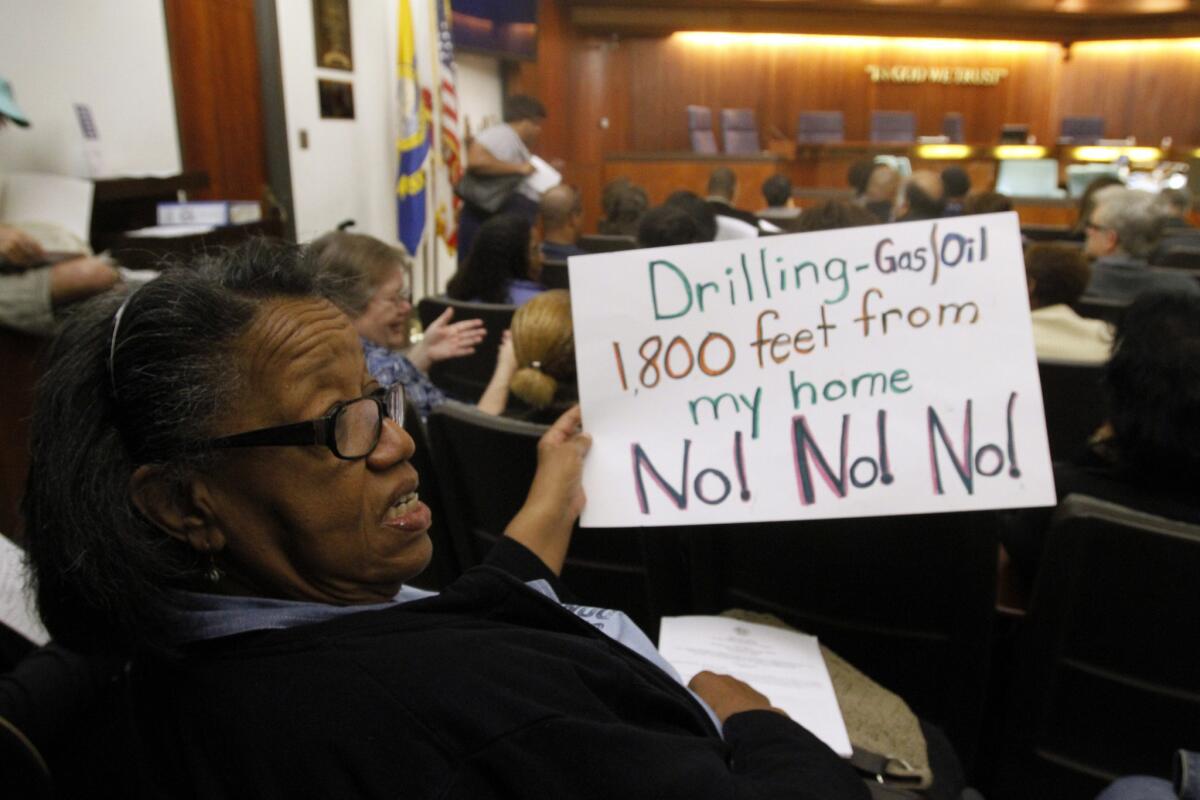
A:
(337, 99)
(331, 26)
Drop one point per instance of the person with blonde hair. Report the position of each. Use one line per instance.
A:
(544, 346)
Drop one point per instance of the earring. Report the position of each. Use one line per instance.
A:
(214, 573)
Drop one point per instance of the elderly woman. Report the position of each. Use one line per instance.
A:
(504, 264)
(369, 281)
(221, 487)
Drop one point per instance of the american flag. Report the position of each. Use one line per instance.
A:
(450, 160)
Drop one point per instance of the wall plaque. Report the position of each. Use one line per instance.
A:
(951, 76)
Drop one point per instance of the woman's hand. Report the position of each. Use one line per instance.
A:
(495, 397)
(19, 248)
(445, 340)
(726, 695)
(556, 497)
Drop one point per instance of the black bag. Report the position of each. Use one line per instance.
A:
(488, 192)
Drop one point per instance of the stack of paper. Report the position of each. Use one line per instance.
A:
(784, 665)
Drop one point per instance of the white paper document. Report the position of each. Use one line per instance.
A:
(16, 604)
(544, 178)
(784, 665)
(55, 199)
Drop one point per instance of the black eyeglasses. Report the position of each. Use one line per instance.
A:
(350, 430)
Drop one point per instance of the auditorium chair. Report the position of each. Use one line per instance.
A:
(700, 130)
(821, 127)
(739, 129)
(909, 600)
(554, 274)
(893, 126)
(484, 467)
(1178, 255)
(606, 243)
(1103, 308)
(1073, 399)
(444, 567)
(1081, 130)
(1107, 682)
(953, 127)
(465, 378)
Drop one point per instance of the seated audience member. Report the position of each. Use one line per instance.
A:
(31, 291)
(833, 214)
(694, 205)
(1087, 201)
(543, 340)
(780, 210)
(988, 203)
(499, 152)
(504, 265)
(562, 218)
(859, 175)
(249, 543)
(624, 204)
(879, 192)
(1124, 230)
(1148, 455)
(732, 223)
(922, 197)
(668, 225)
(1057, 274)
(956, 185)
(369, 281)
(1175, 204)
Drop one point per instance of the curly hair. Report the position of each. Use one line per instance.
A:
(148, 393)
(499, 256)
(1153, 382)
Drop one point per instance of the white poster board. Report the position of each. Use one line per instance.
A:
(858, 372)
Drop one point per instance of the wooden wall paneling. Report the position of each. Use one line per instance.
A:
(1147, 90)
(662, 177)
(218, 103)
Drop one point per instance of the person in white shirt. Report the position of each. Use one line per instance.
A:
(1057, 274)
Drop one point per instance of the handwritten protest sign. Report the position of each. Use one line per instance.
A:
(859, 372)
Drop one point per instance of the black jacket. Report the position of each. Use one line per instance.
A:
(486, 690)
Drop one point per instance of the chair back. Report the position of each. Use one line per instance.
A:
(1074, 402)
(554, 274)
(485, 466)
(893, 126)
(1103, 308)
(1050, 233)
(444, 568)
(1081, 130)
(1107, 683)
(1178, 255)
(821, 127)
(740, 131)
(700, 130)
(606, 243)
(953, 127)
(466, 378)
(909, 600)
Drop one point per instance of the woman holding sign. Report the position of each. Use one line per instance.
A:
(220, 489)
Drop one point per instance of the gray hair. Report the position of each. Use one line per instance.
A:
(1135, 216)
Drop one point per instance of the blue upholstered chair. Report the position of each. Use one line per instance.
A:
(821, 127)
(893, 126)
(1082, 130)
(700, 130)
(740, 131)
(953, 127)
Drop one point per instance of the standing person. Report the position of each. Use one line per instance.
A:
(498, 152)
